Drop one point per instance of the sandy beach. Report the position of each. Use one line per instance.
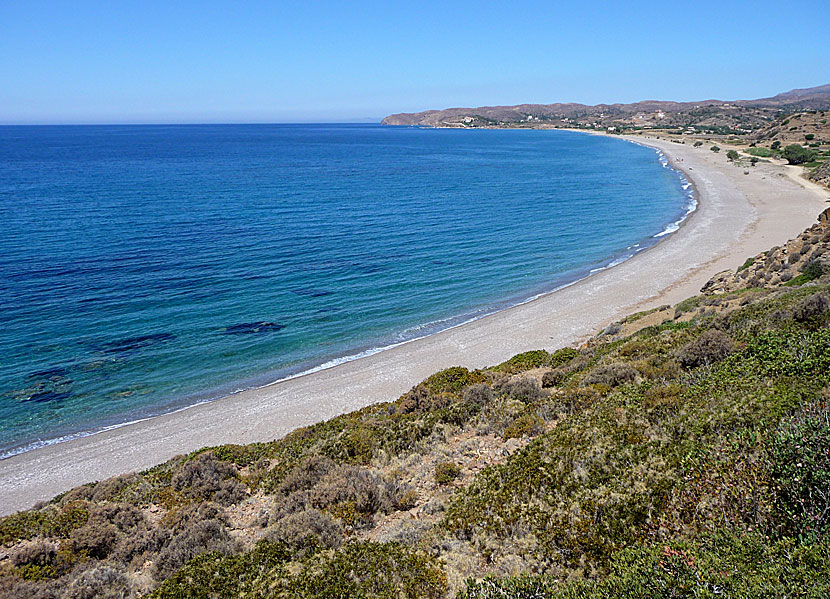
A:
(738, 216)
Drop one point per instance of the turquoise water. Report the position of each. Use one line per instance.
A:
(143, 268)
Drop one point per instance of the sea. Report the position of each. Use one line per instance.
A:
(148, 268)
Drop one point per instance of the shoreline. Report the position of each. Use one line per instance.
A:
(736, 216)
(688, 208)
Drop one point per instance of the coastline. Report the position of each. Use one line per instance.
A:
(425, 329)
(737, 216)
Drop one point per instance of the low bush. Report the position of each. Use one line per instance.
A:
(812, 308)
(613, 375)
(524, 361)
(363, 570)
(40, 552)
(478, 395)
(710, 347)
(204, 477)
(799, 463)
(100, 582)
(96, 539)
(525, 389)
(308, 529)
(37, 560)
(563, 356)
(446, 472)
(124, 516)
(369, 571)
(453, 380)
(552, 379)
(307, 474)
(726, 565)
(251, 575)
(526, 425)
(421, 399)
(195, 539)
(357, 490)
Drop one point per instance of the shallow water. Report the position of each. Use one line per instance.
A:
(143, 268)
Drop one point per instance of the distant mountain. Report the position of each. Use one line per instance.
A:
(709, 115)
(811, 98)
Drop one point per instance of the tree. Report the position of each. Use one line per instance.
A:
(732, 155)
(753, 160)
(698, 143)
(775, 145)
(809, 136)
(796, 154)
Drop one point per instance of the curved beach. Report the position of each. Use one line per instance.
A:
(738, 216)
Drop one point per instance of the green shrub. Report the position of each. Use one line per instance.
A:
(525, 425)
(358, 569)
(50, 521)
(196, 538)
(453, 380)
(799, 462)
(687, 305)
(796, 154)
(446, 472)
(37, 560)
(749, 262)
(811, 271)
(215, 575)
(741, 566)
(524, 361)
(95, 539)
(732, 155)
(715, 149)
(563, 356)
(369, 571)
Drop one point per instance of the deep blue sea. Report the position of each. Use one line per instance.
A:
(144, 268)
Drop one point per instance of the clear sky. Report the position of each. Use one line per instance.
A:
(83, 61)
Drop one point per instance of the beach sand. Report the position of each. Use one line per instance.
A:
(738, 216)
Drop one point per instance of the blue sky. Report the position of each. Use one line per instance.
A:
(210, 61)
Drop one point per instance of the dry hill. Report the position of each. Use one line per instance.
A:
(709, 116)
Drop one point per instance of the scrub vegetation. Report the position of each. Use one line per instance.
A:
(689, 458)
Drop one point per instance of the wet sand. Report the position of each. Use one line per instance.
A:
(738, 216)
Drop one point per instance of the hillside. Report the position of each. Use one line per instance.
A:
(798, 128)
(706, 116)
(821, 175)
(682, 452)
